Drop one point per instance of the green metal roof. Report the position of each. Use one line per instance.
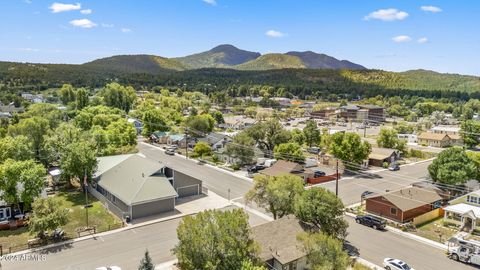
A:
(133, 179)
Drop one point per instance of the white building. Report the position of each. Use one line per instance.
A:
(409, 138)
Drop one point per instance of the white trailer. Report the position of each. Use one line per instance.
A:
(467, 251)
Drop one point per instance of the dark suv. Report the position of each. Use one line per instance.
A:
(371, 221)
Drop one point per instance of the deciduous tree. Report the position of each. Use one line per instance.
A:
(289, 151)
(322, 209)
(453, 167)
(276, 194)
(324, 252)
(350, 148)
(47, 214)
(20, 181)
(214, 239)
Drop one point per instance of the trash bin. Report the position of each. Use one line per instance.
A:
(127, 219)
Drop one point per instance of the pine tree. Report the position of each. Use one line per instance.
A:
(146, 262)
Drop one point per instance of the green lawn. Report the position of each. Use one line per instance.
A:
(98, 216)
(359, 266)
(434, 229)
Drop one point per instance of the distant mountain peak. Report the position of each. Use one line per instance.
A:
(320, 60)
(223, 56)
(224, 47)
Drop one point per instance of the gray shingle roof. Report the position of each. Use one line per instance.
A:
(133, 179)
(278, 239)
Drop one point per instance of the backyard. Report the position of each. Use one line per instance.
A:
(98, 216)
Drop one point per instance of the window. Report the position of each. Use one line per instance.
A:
(473, 199)
(393, 211)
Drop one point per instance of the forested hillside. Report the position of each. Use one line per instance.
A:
(302, 82)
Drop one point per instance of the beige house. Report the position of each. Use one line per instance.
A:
(279, 247)
(465, 211)
(435, 139)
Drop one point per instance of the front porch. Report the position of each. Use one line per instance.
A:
(466, 216)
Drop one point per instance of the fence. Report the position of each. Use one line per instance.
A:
(323, 179)
(107, 204)
(422, 219)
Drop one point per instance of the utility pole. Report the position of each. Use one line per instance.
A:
(186, 142)
(364, 129)
(336, 181)
(85, 184)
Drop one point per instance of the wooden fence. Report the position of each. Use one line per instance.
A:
(428, 216)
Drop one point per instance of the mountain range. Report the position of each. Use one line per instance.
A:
(223, 56)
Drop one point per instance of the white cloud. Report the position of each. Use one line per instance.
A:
(211, 2)
(28, 49)
(60, 7)
(27, 1)
(387, 15)
(275, 34)
(422, 40)
(83, 23)
(402, 38)
(432, 9)
(126, 30)
(86, 11)
(107, 25)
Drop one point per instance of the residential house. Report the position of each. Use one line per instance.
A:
(464, 211)
(284, 167)
(10, 108)
(308, 175)
(405, 204)
(137, 124)
(453, 132)
(409, 138)
(217, 141)
(237, 122)
(34, 98)
(435, 139)
(283, 101)
(132, 186)
(279, 247)
(5, 115)
(450, 130)
(379, 156)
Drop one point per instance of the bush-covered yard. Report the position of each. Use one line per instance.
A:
(74, 201)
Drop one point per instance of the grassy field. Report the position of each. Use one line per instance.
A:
(97, 215)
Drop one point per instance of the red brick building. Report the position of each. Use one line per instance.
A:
(405, 204)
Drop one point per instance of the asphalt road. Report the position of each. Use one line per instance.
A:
(214, 180)
(124, 249)
(375, 245)
(351, 188)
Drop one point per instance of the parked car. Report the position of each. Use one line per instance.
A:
(255, 168)
(394, 167)
(313, 150)
(318, 173)
(366, 193)
(371, 221)
(108, 268)
(395, 264)
(170, 151)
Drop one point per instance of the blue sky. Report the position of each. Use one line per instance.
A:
(395, 35)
